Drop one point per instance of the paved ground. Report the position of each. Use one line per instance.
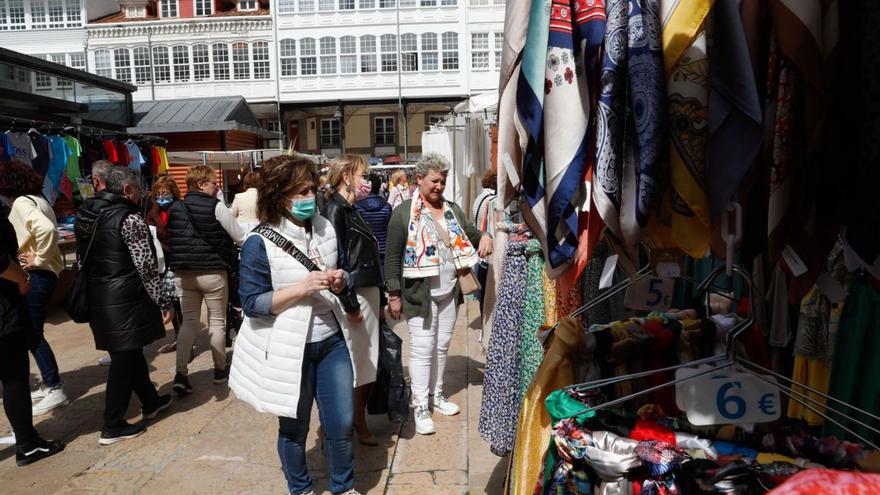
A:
(210, 442)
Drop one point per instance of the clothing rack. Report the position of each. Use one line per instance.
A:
(731, 358)
(8, 122)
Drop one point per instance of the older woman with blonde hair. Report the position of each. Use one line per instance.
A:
(349, 182)
(399, 190)
(430, 240)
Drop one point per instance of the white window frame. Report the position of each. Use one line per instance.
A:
(499, 48)
(447, 40)
(387, 4)
(327, 63)
(203, 8)
(308, 57)
(392, 135)
(409, 52)
(289, 63)
(238, 63)
(347, 5)
(328, 137)
(119, 69)
(141, 63)
(200, 58)
(369, 49)
(367, 4)
(13, 15)
(286, 6)
(430, 51)
(262, 67)
(388, 51)
(181, 63)
(348, 55)
(104, 63)
(248, 5)
(480, 51)
(161, 64)
(326, 5)
(223, 62)
(169, 9)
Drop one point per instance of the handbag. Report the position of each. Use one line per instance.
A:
(286, 245)
(76, 301)
(467, 281)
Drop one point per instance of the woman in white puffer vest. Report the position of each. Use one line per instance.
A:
(293, 347)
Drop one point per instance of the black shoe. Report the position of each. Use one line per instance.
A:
(221, 376)
(181, 385)
(36, 450)
(125, 431)
(163, 403)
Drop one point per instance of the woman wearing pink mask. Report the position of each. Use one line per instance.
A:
(358, 255)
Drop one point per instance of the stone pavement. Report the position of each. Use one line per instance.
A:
(209, 442)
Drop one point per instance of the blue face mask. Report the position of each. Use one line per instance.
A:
(164, 202)
(303, 209)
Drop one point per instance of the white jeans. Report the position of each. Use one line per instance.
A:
(428, 347)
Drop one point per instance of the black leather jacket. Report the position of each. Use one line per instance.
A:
(359, 249)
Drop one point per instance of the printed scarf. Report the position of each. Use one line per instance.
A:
(421, 256)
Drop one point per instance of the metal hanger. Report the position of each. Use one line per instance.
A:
(732, 359)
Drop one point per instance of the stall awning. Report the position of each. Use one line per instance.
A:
(230, 113)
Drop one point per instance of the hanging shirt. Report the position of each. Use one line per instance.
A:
(7, 151)
(73, 171)
(155, 160)
(44, 153)
(163, 160)
(57, 160)
(122, 155)
(135, 158)
(110, 151)
(23, 148)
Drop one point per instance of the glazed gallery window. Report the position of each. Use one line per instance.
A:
(499, 47)
(142, 69)
(168, 8)
(368, 54)
(480, 51)
(180, 61)
(201, 60)
(220, 51)
(247, 5)
(103, 63)
(161, 64)
(328, 55)
(331, 133)
(389, 53)
(286, 6)
(47, 14)
(260, 51)
(383, 131)
(12, 16)
(430, 56)
(308, 62)
(122, 65)
(450, 51)
(409, 52)
(348, 63)
(287, 52)
(241, 64)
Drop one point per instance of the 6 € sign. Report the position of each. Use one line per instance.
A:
(726, 397)
(650, 294)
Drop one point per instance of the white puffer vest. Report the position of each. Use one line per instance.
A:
(266, 367)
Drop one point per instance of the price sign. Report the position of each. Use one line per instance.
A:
(650, 294)
(726, 397)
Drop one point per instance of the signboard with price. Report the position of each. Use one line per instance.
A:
(650, 294)
(726, 397)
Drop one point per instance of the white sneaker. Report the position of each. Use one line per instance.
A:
(54, 399)
(104, 360)
(424, 423)
(445, 407)
(38, 394)
(351, 492)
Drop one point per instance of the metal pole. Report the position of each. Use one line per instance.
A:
(152, 68)
(279, 117)
(400, 87)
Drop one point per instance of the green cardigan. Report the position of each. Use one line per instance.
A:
(415, 293)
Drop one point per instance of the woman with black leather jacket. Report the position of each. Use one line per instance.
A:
(359, 255)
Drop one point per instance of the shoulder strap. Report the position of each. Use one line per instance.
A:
(82, 262)
(480, 207)
(441, 231)
(288, 247)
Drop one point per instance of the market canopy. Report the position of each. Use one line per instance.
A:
(225, 113)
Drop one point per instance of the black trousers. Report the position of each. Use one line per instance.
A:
(15, 375)
(128, 373)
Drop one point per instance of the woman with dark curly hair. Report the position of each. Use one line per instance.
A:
(293, 347)
(35, 226)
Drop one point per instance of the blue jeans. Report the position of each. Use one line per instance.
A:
(327, 377)
(42, 285)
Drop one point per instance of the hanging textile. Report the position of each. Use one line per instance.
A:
(630, 140)
(551, 297)
(855, 374)
(73, 171)
(735, 120)
(600, 313)
(827, 482)
(533, 317)
(685, 219)
(500, 404)
(567, 352)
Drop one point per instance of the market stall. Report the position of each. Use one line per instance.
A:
(684, 291)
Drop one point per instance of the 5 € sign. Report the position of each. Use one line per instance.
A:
(727, 397)
(650, 294)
